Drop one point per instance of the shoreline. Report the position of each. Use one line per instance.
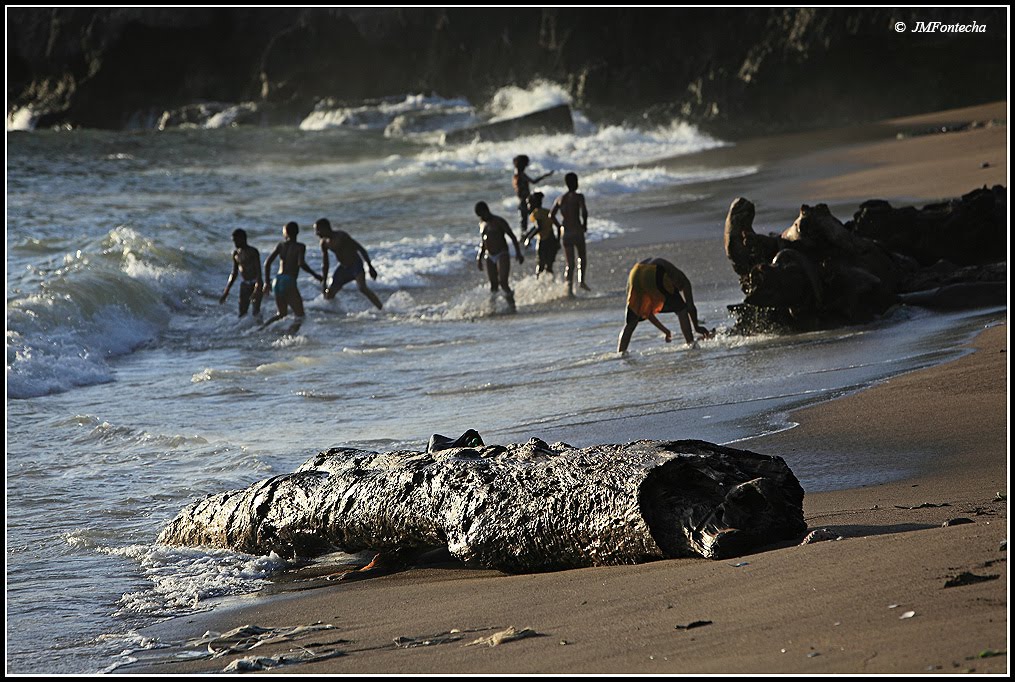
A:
(815, 609)
(829, 607)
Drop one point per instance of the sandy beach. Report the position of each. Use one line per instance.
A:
(897, 593)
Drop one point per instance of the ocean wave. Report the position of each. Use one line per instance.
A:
(600, 148)
(513, 101)
(380, 115)
(92, 305)
(406, 263)
(588, 149)
(21, 119)
(103, 432)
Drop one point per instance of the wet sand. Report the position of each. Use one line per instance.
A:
(877, 600)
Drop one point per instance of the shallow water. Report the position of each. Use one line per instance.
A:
(131, 392)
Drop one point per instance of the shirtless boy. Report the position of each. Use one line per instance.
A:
(247, 263)
(655, 286)
(350, 255)
(575, 219)
(548, 229)
(292, 257)
(492, 230)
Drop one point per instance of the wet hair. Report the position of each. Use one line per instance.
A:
(240, 236)
(521, 161)
(291, 229)
(323, 225)
(535, 200)
(571, 180)
(482, 209)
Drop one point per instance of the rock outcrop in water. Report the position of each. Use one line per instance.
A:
(555, 120)
(821, 273)
(519, 508)
(738, 70)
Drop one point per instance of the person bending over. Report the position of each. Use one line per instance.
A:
(654, 286)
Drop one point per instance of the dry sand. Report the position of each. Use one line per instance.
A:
(829, 607)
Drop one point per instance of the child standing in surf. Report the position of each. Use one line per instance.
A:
(292, 257)
(521, 183)
(549, 238)
(492, 229)
(571, 206)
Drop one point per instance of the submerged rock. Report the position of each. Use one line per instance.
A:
(523, 507)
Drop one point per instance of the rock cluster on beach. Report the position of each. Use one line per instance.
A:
(820, 273)
(517, 508)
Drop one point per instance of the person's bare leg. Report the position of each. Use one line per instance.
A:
(283, 310)
(582, 265)
(504, 271)
(361, 282)
(569, 268)
(685, 327)
(625, 337)
(491, 274)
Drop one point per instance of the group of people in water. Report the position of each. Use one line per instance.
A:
(654, 285)
(292, 256)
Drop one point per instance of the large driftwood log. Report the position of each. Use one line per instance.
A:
(523, 507)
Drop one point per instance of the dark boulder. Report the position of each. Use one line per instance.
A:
(820, 273)
(544, 122)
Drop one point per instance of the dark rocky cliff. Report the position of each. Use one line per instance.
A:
(737, 71)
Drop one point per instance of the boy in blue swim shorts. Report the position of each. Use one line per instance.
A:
(292, 257)
(350, 255)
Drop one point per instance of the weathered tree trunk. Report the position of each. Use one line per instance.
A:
(529, 507)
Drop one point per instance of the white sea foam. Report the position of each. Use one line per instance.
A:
(513, 101)
(21, 119)
(607, 147)
(229, 116)
(183, 577)
(405, 263)
(45, 358)
(378, 116)
(92, 307)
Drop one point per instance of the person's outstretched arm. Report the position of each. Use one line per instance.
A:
(661, 327)
(303, 264)
(325, 265)
(366, 259)
(260, 279)
(267, 267)
(232, 278)
(692, 312)
(518, 250)
(479, 256)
